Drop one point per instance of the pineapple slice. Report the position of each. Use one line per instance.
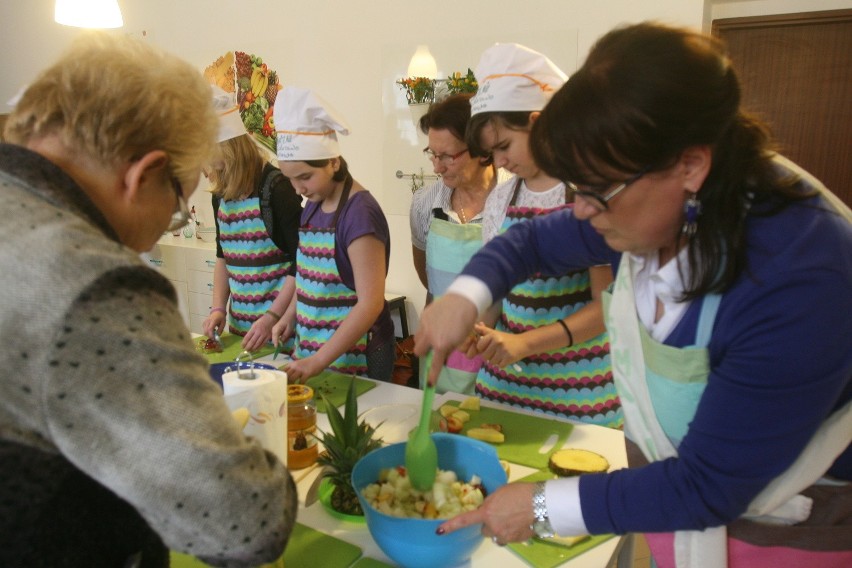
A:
(241, 416)
(461, 415)
(447, 410)
(566, 463)
(470, 403)
(487, 435)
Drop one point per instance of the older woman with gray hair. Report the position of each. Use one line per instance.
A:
(115, 445)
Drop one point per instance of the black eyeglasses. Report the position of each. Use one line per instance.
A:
(445, 159)
(598, 195)
(180, 216)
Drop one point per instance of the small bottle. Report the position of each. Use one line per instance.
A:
(302, 448)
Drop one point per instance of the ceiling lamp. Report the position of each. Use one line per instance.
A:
(422, 64)
(88, 13)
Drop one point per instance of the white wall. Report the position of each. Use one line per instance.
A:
(341, 49)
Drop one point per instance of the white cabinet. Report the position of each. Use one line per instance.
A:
(188, 264)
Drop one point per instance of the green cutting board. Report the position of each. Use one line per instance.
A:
(543, 554)
(334, 387)
(307, 548)
(231, 348)
(367, 562)
(525, 434)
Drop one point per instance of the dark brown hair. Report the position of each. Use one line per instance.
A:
(452, 114)
(513, 120)
(646, 93)
(342, 172)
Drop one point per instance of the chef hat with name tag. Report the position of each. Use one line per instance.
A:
(512, 77)
(306, 126)
(230, 123)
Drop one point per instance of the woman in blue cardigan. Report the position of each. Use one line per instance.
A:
(728, 319)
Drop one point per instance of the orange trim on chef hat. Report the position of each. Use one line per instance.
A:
(512, 77)
(306, 126)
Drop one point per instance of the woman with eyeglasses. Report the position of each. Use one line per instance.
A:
(548, 350)
(115, 445)
(446, 217)
(729, 316)
(257, 232)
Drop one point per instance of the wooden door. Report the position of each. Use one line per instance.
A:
(796, 73)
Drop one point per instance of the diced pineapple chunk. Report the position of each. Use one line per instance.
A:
(461, 415)
(487, 435)
(447, 410)
(241, 415)
(470, 403)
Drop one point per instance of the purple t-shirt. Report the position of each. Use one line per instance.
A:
(361, 215)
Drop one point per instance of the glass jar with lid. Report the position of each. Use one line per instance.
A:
(302, 449)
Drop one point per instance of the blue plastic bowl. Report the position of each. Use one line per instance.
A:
(219, 369)
(412, 543)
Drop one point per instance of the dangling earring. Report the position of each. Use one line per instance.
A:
(691, 210)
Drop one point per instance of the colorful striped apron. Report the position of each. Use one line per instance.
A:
(256, 266)
(660, 387)
(322, 299)
(449, 246)
(574, 382)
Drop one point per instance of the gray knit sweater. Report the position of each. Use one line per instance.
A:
(112, 435)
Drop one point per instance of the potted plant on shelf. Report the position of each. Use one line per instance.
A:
(418, 90)
(348, 441)
(458, 83)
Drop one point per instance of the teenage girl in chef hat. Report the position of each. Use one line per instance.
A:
(550, 330)
(257, 213)
(339, 315)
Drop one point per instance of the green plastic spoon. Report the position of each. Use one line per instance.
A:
(421, 455)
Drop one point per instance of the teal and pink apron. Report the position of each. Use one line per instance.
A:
(660, 387)
(323, 301)
(256, 266)
(448, 248)
(574, 382)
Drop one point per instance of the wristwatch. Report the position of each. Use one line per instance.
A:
(541, 526)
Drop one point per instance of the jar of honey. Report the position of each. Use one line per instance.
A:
(302, 449)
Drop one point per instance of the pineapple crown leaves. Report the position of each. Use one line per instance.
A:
(349, 439)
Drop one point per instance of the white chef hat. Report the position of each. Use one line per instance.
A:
(306, 126)
(512, 77)
(230, 123)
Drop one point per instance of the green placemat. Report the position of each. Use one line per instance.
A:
(231, 348)
(367, 562)
(525, 434)
(334, 387)
(310, 548)
(307, 548)
(543, 554)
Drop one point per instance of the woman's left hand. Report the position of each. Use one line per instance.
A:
(300, 370)
(500, 348)
(506, 515)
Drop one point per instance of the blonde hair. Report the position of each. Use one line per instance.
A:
(237, 169)
(114, 98)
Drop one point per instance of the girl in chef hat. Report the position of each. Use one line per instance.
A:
(339, 314)
(549, 330)
(257, 216)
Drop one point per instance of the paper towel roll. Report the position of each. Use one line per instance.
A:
(264, 393)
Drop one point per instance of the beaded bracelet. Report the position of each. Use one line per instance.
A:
(213, 310)
(274, 315)
(567, 331)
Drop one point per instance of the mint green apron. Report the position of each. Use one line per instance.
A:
(660, 387)
(449, 246)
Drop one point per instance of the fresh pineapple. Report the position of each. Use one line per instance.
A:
(348, 441)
